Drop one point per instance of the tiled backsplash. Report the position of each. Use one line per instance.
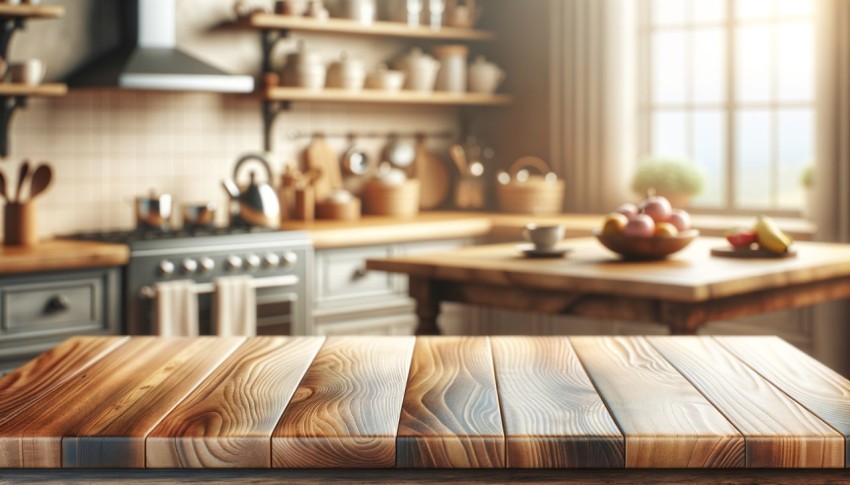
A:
(108, 146)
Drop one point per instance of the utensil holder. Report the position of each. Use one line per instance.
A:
(19, 224)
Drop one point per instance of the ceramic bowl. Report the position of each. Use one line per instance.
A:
(646, 248)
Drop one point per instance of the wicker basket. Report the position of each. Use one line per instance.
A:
(328, 209)
(536, 195)
(391, 200)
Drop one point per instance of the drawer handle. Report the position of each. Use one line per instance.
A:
(359, 273)
(57, 304)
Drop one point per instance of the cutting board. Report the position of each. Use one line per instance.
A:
(749, 253)
(433, 176)
(321, 156)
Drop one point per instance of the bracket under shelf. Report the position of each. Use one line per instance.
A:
(8, 105)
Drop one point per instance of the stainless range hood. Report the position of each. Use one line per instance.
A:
(150, 60)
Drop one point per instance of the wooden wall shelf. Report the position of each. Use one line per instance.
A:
(381, 97)
(379, 28)
(32, 11)
(40, 90)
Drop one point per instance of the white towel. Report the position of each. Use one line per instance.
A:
(176, 309)
(235, 307)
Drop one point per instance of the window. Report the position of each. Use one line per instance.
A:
(729, 84)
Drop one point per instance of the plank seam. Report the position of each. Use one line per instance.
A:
(499, 404)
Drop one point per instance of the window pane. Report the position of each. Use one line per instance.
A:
(753, 70)
(796, 150)
(795, 7)
(753, 9)
(668, 67)
(752, 180)
(666, 12)
(669, 135)
(709, 61)
(709, 153)
(796, 62)
(708, 11)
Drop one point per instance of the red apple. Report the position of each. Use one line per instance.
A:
(641, 226)
(628, 209)
(680, 219)
(656, 207)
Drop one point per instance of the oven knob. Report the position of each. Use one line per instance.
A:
(271, 260)
(252, 261)
(289, 259)
(207, 264)
(189, 266)
(166, 268)
(233, 263)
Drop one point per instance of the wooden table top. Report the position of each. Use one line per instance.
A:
(424, 402)
(60, 254)
(690, 275)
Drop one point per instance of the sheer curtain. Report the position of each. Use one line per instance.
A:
(832, 173)
(592, 123)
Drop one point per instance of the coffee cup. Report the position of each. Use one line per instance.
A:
(29, 72)
(544, 237)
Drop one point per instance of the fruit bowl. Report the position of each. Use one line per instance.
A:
(646, 248)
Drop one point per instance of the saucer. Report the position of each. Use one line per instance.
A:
(529, 251)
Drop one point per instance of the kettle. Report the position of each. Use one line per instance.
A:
(257, 204)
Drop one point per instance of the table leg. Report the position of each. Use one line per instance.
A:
(682, 318)
(427, 305)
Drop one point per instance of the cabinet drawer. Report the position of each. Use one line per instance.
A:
(342, 275)
(60, 306)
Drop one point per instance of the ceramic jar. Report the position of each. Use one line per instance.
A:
(346, 73)
(420, 70)
(452, 74)
(484, 76)
(304, 69)
(385, 79)
(363, 11)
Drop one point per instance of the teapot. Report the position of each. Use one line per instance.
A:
(420, 70)
(257, 204)
(484, 76)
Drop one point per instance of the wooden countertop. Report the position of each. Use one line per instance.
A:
(691, 275)
(424, 402)
(58, 254)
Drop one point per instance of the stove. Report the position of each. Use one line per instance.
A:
(280, 262)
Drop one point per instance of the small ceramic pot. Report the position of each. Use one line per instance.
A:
(346, 74)
(484, 77)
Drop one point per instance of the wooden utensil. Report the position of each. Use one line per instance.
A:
(458, 155)
(23, 171)
(432, 174)
(321, 156)
(41, 179)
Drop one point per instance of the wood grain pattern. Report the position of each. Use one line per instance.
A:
(32, 11)
(28, 383)
(40, 90)
(778, 432)
(228, 420)
(57, 255)
(346, 411)
(31, 441)
(450, 417)
(666, 421)
(553, 416)
(338, 95)
(115, 437)
(815, 386)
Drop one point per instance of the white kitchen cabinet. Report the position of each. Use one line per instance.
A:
(349, 300)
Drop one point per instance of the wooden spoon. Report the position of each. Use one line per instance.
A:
(41, 179)
(23, 171)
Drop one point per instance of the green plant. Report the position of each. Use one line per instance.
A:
(667, 176)
(807, 177)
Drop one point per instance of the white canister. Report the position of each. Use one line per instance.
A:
(452, 74)
(484, 77)
(363, 11)
(304, 69)
(346, 74)
(420, 70)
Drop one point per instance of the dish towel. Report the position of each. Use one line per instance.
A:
(235, 307)
(176, 309)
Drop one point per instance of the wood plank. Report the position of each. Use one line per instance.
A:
(228, 420)
(778, 431)
(553, 416)
(33, 438)
(378, 28)
(346, 411)
(28, 383)
(115, 438)
(337, 95)
(666, 421)
(32, 11)
(450, 417)
(39, 90)
(820, 389)
(60, 255)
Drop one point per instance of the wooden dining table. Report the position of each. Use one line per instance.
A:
(398, 409)
(683, 292)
